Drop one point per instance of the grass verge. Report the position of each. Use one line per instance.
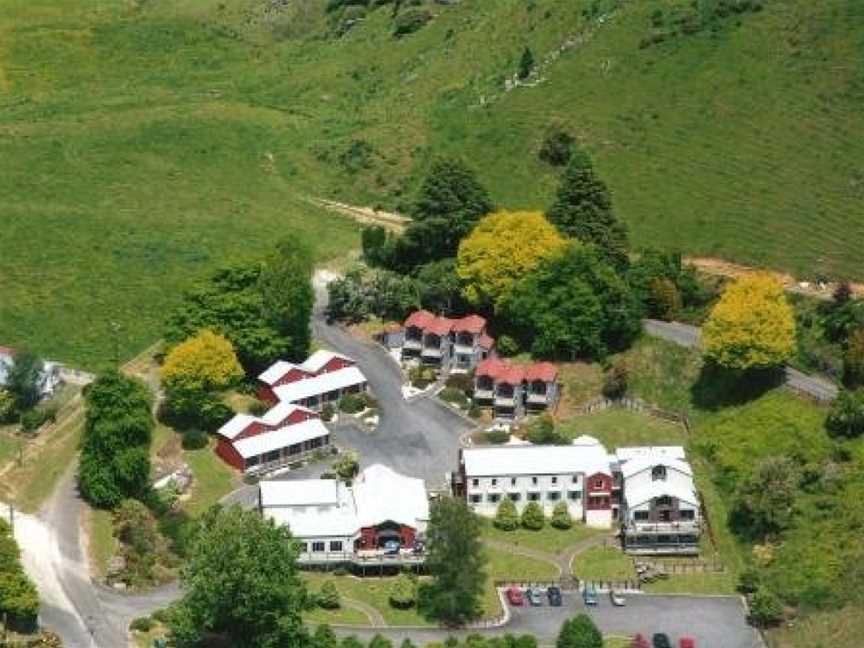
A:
(548, 539)
(603, 563)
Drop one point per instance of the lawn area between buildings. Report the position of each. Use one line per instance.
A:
(707, 583)
(375, 591)
(548, 539)
(605, 563)
(619, 427)
(212, 479)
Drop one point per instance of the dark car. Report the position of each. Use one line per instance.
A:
(590, 596)
(533, 596)
(554, 596)
(514, 595)
(661, 640)
(419, 547)
(391, 547)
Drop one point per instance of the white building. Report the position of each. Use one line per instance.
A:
(579, 474)
(335, 522)
(662, 512)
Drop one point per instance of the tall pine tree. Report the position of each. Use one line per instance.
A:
(583, 210)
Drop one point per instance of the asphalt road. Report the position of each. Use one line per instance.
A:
(691, 337)
(715, 622)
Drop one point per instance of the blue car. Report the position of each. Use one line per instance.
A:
(590, 596)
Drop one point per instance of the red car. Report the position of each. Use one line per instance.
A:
(640, 642)
(686, 642)
(514, 596)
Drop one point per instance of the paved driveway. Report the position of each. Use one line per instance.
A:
(715, 622)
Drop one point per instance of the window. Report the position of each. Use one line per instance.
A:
(515, 497)
(574, 495)
(688, 514)
(598, 483)
(554, 480)
(658, 473)
(575, 479)
(494, 497)
(553, 496)
(533, 497)
(534, 480)
(640, 516)
(475, 499)
(317, 546)
(336, 545)
(494, 482)
(512, 481)
(475, 482)
(665, 500)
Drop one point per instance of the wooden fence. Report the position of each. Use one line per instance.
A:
(634, 405)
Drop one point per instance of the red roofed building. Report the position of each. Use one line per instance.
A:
(511, 390)
(450, 344)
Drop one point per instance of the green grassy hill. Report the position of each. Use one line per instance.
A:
(145, 141)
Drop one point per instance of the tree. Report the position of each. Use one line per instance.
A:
(846, 418)
(115, 450)
(615, 381)
(654, 273)
(579, 632)
(285, 284)
(328, 597)
(526, 63)
(574, 305)
(765, 608)
(241, 583)
(440, 288)
(557, 147)
(561, 516)
(501, 250)
(506, 517)
(542, 431)
(360, 293)
(455, 560)
(853, 359)
(347, 465)
(448, 204)
(665, 299)
(325, 637)
(374, 241)
(583, 210)
(532, 517)
(23, 380)
(752, 326)
(403, 592)
(19, 600)
(766, 499)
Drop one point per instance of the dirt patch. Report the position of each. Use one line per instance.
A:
(366, 215)
(722, 268)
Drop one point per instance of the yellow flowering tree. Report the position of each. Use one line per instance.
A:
(192, 374)
(752, 326)
(502, 249)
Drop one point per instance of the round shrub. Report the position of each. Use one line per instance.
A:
(615, 381)
(766, 609)
(141, 624)
(351, 404)
(507, 346)
(561, 516)
(403, 593)
(194, 440)
(532, 517)
(748, 581)
(328, 597)
(506, 517)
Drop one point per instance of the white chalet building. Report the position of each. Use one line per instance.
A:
(579, 474)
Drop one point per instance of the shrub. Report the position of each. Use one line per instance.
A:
(258, 408)
(665, 299)
(497, 436)
(507, 346)
(462, 382)
(557, 147)
(749, 581)
(141, 624)
(351, 404)
(328, 596)
(453, 395)
(532, 517)
(506, 517)
(526, 64)
(615, 381)
(403, 593)
(579, 632)
(328, 412)
(541, 431)
(846, 418)
(765, 608)
(561, 516)
(410, 21)
(347, 465)
(421, 377)
(194, 440)
(36, 418)
(8, 412)
(475, 412)
(853, 359)
(368, 401)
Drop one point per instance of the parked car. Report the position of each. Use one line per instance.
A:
(686, 642)
(514, 596)
(554, 596)
(618, 599)
(391, 547)
(590, 596)
(661, 640)
(419, 547)
(533, 596)
(640, 642)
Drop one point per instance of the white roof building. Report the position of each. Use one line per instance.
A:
(587, 456)
(673, 452)
(318, 360)
(384, 495)
(284, 437)
(316, 386)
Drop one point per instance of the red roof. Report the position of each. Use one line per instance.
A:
(470, 324)
(512, 375)
(492, 367)
(421, 319)
(439, 326)
(545, 371)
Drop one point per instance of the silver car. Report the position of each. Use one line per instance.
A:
(618, 598)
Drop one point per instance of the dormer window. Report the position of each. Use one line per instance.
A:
(658, 473)
(663, 501)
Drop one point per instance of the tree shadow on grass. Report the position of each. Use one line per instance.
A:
(718, 387)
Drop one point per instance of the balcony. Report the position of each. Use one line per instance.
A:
(412, 344)
(432, 352)
(464, 349)
(503, 400)
(682, 526)
(484, 394)
(537, 399)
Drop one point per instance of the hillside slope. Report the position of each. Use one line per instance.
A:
(144, 142)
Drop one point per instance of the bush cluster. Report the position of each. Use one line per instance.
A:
(19, 600)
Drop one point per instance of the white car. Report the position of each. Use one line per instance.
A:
(618, 599)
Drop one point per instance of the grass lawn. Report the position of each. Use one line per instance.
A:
(831, 628)
(9, 443)
(580, 382)
(603, 563)
(548, 539)
(618, 427)
(345, 615)
(102, 542)
(213, 479)
(711, 583)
